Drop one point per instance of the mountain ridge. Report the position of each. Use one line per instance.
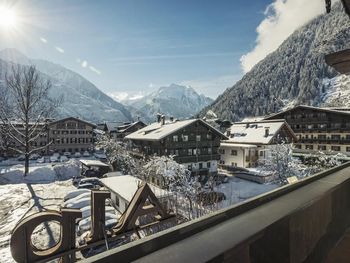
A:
(81, 98)
(175, 100)
(293, 74)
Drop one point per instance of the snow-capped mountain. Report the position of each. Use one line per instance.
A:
(81, 98)
(296, 73)
(174, 100)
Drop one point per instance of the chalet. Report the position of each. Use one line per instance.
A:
(318, 129)
(250, 141)
(119, 130)
(70, 135)
(192, 142)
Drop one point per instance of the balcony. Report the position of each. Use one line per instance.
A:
(199, 158)
(301, 222)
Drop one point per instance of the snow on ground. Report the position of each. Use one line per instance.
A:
(39, 173)
(44, 188)
(238, 190)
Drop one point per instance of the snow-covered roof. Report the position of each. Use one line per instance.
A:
(93, 163)
(73, 118)
(121, 127)
(242, 145)
(127, 185)
(324, 109)
(255, 132)
(157, 131)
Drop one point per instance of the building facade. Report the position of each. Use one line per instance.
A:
(251, 142)
(324, 130)
(118, 130)
(70, 135)
(193, 143)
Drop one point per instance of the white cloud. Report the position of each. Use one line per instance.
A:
(282, 18)
(61, 50)
(44, 40)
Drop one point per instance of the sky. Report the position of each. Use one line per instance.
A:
(131, 48)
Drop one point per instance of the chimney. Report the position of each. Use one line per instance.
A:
(228, 133)
(159, 117)
(162, 119)
(267, 131)
(247, 125)
(171, 118)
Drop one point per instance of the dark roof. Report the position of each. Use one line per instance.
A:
(330, 110)
(72, 118)
(121, 127)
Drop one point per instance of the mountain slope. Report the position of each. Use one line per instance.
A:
(80, 97)
(293, 74)
(174, 100)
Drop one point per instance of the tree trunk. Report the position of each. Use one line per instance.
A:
(26, 165)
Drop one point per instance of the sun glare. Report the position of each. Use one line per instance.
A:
(8, 18)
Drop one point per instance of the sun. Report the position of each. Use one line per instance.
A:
(8, 18)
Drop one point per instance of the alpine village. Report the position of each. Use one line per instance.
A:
(254, 168)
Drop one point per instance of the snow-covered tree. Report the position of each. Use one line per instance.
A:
(322, 161)
(118, 155)
(170, 174)
(281, 163)
(25, 98)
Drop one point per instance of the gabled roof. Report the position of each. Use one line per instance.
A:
(125, 128)
(254, 132)
(113, 126)
(72, 118)
(121, 127)
(156, 131)
(126, 186)
(330, 110)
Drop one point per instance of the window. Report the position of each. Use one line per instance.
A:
(185, 138)
(189, 152)
(198, 138)
(117, 201)
(234, 164)
(321, 137)
(209, 150)
(200, 165)
(233, 152)
(348, 149)
(335, 137)
(261, 153)
(209, 136)
(175, 138)
(335, 148)
(322, 147)
(189, 167)
(297, 146)
(222, 151)
(208, 164)
(309, 147)
(176, 152)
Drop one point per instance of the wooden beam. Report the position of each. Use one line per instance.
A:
(340, 60)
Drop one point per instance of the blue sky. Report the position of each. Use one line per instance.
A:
(136, 46)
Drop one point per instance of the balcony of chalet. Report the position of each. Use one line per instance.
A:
(307, 221)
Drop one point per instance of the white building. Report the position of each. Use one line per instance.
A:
(124, 187)
(250, 141)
